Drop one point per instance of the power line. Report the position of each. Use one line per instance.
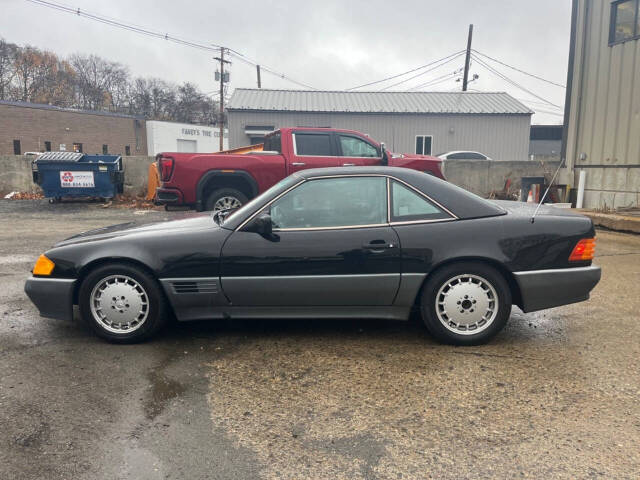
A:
(512, 82)
(155, 34)
(437, 80)
(125, 26)
(535, 102)
(422, 73)
(404, 73)
(519, 70)
(246, 60)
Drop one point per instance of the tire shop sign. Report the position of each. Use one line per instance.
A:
(76, 179)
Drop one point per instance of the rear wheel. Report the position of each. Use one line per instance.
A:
(225, 198)
(122, 303)
(466, 303)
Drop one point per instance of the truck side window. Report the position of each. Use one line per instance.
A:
(356, 147)
(315, 144)
(273, 143)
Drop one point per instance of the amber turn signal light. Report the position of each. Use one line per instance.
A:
(585, 249)
(43, 266)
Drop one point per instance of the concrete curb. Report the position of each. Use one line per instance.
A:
(613, 221)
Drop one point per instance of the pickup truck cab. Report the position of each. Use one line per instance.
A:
(219, 181)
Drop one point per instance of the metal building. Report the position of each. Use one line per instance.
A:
(495, 124)
(602, 109)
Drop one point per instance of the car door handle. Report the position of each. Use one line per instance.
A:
(348, 164)
(298, 164)
(378, 245)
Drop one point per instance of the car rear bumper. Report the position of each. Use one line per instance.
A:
(52, 296)
(551, 288)
(169, 196)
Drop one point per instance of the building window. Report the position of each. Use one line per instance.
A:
(105, 149)
(423, 144)
(127, 150)
(16, 147)
(625, 22)
(47, 146)
(77, 147)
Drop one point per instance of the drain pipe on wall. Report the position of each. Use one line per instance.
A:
(581, 182)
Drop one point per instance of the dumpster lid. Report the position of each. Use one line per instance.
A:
(60, 156)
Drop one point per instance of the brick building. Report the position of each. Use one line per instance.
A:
(31, 127)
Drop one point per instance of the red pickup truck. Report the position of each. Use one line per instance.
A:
(217, 181)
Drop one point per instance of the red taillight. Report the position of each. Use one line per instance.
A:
(585, 249)
(165, 166)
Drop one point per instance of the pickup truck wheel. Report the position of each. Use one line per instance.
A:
(225, 198)
(466, 303)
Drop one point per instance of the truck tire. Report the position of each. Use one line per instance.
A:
(224, 198)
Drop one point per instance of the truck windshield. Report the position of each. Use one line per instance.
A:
(257, 202)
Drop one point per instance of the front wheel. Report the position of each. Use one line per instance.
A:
(224, 199)
(466, 303)
(122, 303)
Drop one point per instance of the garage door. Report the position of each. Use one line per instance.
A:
(187, 146)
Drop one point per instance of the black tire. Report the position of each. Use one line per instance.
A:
(157, 305)
(440, 279)
(216, 195)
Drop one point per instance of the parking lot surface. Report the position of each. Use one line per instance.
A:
(555, 395)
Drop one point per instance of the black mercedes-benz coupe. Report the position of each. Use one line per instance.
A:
(351, 242)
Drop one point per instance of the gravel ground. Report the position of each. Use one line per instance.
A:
(555, 395)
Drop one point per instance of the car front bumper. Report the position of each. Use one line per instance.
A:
(52, 296)
(551, 288)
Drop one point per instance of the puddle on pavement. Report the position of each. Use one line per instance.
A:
(163, 389)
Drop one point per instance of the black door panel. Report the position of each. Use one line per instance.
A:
(312, 267)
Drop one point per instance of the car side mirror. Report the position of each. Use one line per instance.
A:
(385, 158)
(261, 225)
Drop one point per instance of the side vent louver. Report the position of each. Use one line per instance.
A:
(187, 286)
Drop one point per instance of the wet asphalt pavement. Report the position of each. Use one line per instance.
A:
(555, 395)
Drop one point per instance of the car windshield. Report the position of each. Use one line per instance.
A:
(221, 217)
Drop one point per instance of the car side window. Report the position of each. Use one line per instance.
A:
(332, 202)
(314, 144)
(357, 147)
(407, 205)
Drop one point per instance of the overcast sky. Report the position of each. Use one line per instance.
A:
(327, 44)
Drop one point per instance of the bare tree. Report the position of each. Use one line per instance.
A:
(94, 83)
(27, 69)
(7, 69)
(98, 81)
(154, 98)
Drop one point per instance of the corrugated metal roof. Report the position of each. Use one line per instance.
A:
(375, 102)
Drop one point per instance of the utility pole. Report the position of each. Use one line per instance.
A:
(258, 71)
(467, 60)
(222, 80)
